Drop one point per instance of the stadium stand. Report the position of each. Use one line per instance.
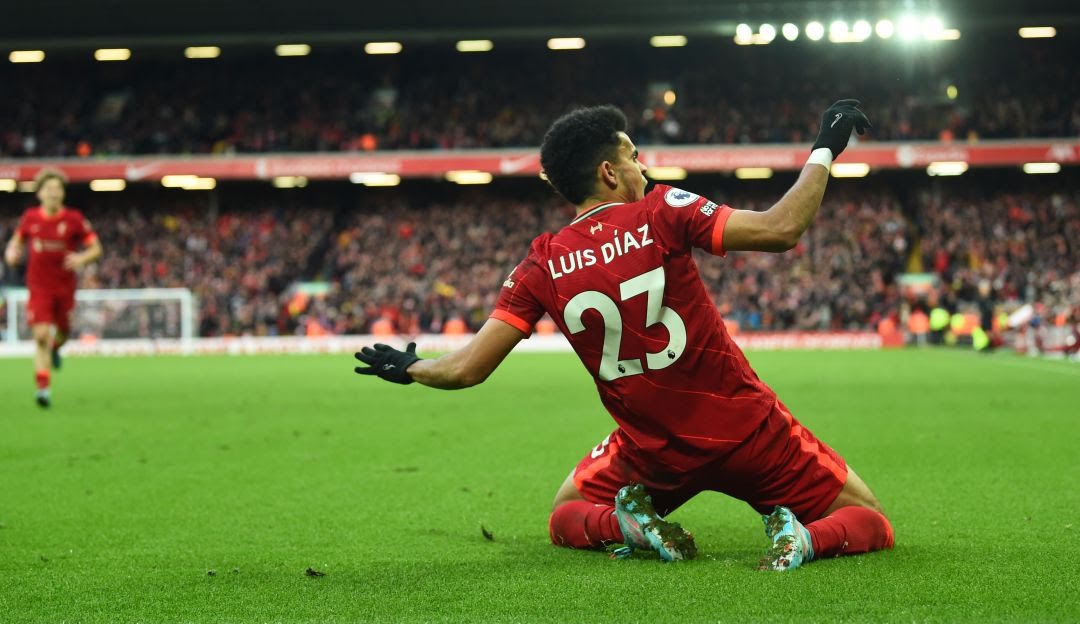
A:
(431, 266)
(425, 99)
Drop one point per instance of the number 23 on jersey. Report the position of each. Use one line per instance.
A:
(650, 283)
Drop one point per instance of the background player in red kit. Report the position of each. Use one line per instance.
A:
(621, 283)
(61, 241)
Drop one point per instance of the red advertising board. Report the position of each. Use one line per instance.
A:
(526, 162)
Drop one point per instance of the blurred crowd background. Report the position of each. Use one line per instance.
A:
(344, 102)
(431, 257)
(418, 261)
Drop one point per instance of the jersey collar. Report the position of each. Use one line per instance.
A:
(596, 209)
(45, 215)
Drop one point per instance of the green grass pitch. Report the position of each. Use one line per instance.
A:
(201, 489)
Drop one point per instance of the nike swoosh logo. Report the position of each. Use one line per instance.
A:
(514, 165)
(135, 172)
(838, 116)
(388, 367)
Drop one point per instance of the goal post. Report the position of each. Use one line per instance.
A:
(114, 313)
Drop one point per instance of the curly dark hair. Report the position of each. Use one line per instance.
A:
(575, 144)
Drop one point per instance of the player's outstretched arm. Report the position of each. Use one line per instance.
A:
(14, 250)
(468, 366)
(780, 227)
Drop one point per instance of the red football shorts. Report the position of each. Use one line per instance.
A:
(51, 308)
(781, 463)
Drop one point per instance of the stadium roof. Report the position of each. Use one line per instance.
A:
(74, 23)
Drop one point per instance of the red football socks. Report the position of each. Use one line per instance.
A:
(850, 531)
(581, 524)
(42, 378)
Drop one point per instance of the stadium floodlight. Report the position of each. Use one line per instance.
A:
(908, 28)
(112, 54)
(469, 176)
(951, 92)
(666, 173)
(1035, 168)
(178, 181)
(948, 34)
(669, 97)
(292, 49)
(861, 30)
(201, 184)
(287, 182)
(744, 35)
(790, 31)
(566, 43)
(7, 185)
(838, 32)
(1037, 32)
(932, 27)
(108, 185)
(884, 29)
(382, 47)
(815, 31)
(375, 178)
(188, 182)
(202, 52)
(475, 45)
(766, 33)
(947, 168)
(26, 56)
(667, 41)
(753, 173)
(850, 170)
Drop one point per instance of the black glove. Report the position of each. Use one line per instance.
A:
(836, 125)
(387, 362)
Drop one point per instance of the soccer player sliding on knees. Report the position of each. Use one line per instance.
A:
(620, 282)
(61, 241)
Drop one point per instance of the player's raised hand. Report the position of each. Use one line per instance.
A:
(837, 123)
(387, 362)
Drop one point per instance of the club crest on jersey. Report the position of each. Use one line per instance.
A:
(677, 198)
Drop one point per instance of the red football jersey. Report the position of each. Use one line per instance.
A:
(49, 239)
(622, 285)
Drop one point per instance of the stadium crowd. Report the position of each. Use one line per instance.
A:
(426, 99)
(1024, 245)
(391, 266)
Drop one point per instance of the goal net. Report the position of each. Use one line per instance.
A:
(149, 313)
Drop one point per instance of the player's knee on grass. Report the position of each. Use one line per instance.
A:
(572, 518)
(585, 525)
(567, 492)
(856, 494)
(558, 529)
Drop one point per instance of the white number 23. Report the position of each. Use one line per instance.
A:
(611, 367)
